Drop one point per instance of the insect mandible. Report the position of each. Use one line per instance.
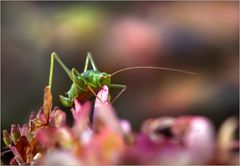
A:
(86, 84)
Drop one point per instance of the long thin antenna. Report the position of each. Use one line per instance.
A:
(154, 67)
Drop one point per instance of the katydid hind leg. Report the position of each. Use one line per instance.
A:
(74, 83)
(123, 87)
(89, 58)
(51, 71)
(54, 56)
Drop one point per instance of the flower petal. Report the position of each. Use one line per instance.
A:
(47, 102)
(104, 116)
(60, 157)
(17, 155)
(57, 118)
(52, 136)
(199, 139)
(102, 95)
(226, 138)
(80, 111)
(22, 145)
(46, 136)
(125, 126)
(106, 147)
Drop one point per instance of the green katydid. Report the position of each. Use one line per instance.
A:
(87, 84)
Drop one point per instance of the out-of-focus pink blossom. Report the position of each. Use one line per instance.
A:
(199, 139)
(125, 126)
(184, 140)
(61, 157)
(226, 140)
(24, 130)
(158, 129)
(103, 95)
(57, 118)
(52, 137)
(104, 113)
(105, 147)
(80, 110)
(81, 114)
(135, 41)
(188, 136)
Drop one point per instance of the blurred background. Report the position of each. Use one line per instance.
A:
(201, 37)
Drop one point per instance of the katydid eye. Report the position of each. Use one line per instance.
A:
(103, 75)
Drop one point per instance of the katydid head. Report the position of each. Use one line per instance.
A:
(105, 78)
